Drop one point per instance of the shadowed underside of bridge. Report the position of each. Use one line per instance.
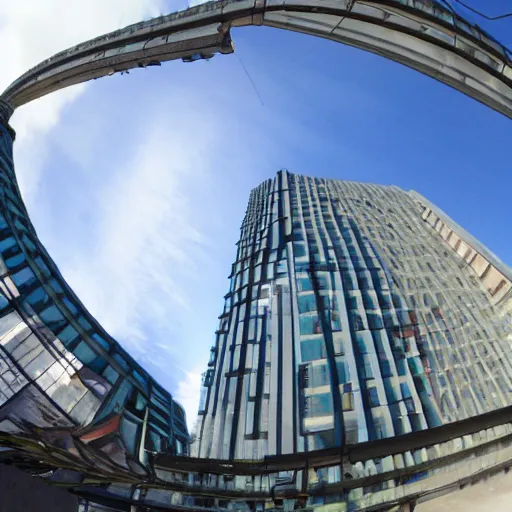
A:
(422, 34)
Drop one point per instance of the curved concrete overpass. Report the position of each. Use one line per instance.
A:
(422, 34)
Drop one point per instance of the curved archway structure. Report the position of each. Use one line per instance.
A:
(422, 34)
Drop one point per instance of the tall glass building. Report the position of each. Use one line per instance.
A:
(70, 396)
(355, 312)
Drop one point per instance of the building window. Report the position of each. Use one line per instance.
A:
(375, 321)
(319, 405)
(335, 321)
(130, 431)
(319, 376)
(312, 349)
(390, 391)
(357, 321)
(310, 325)
(349, 280)
(366, 368)
(369, 299)
(299, 250)
(84, 353)
(364, 280)
(23, 276)
(342, 372)
(385, 367)
(68, 335)
(304, 284)
(348, 401)
(307, 303)
(53, 318)
(380, 428)
(373, 397)
(400, 365)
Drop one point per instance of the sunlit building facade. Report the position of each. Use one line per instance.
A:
(67, 389)
(356, 312)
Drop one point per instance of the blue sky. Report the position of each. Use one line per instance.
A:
(137, 184)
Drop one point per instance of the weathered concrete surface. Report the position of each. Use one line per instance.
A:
(19, 492)
(434, 44)
(493, 495)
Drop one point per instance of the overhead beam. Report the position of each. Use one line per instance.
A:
(423, 35)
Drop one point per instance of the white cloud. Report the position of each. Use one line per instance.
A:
(31, 31)
(144, 227)
(141, 229)
(187, 394)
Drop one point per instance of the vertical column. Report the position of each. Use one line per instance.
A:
(6, 111)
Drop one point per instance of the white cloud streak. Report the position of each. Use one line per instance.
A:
(31, 31)
(143, 228)
(143, 207)
(147, 253)
(187, 394)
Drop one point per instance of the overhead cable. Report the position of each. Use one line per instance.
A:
(475, 11)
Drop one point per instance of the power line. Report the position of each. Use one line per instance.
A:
(250, 79)
(450, 6)
(475, 11)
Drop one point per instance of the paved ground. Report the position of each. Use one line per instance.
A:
(19, 492)
(493, 495)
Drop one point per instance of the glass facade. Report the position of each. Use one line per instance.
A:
(67, 387)
(352, 316)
